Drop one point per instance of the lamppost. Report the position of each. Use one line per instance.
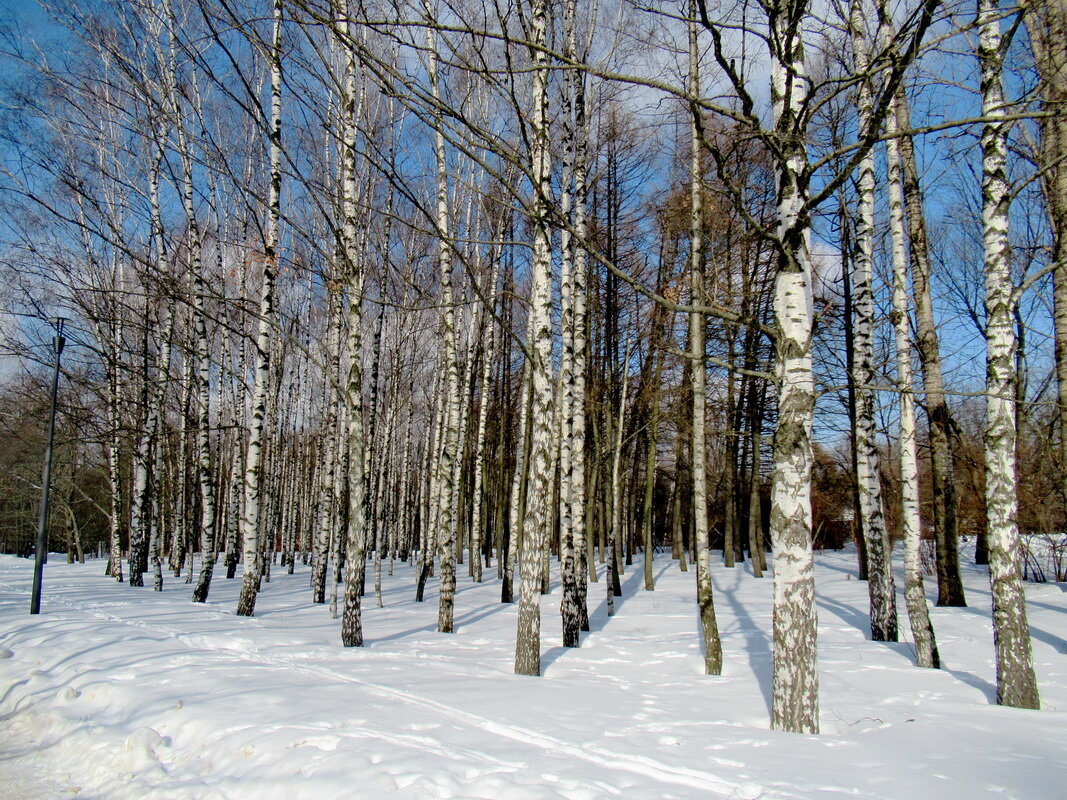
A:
(46, 481)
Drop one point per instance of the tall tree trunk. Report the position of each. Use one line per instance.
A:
(528, 632)
(446, 510)
(942, 427)
(882, 593)
(251, 521)
(351, 621)
(114, 453)
(795, 680)
(480, 513)
(328, 461)
(572, 367)
(1047, 25)
(922, 630)
(697, 372)
(615, 524)
(140, 499)
(579, 293)
(755, 509)
(1016, 683)
(858, 535)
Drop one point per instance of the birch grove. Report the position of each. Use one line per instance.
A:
(420, 283)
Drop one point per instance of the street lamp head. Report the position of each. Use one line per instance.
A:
(59, 340)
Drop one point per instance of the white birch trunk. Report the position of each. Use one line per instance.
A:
(477, 527)
(139, 498)
(528, 632)
(446, 510)
(569, 610)
(251, 521)
(1016, 682)
(579, 271)
(949, 584)
(922, 630)
(697, 374)
(515, 499)
(351, 622)
(882, 593)
(320, 546)
(114, 453)
(795, 679)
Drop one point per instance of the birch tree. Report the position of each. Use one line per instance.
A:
(251, 522)
(1016, 682)
(351, 621)
(446, 511)
(573, 328)
(922, 630)
(535, 524)
(698, 371)
(941, 424)
(882, 593)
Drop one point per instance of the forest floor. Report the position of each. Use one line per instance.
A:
(116, 692)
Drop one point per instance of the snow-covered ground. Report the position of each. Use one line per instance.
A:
(114, 692)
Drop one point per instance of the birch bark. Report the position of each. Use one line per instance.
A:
(320, 547)
(883, 612)
(697, 374)
(795, 679)
(251, 521)
(922, 629)
(446, 511)
(1016, 683)
(351, 620)
(949, 584)
(114, 453)
(528, 631)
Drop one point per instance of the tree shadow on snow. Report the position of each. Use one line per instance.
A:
(598, 616)
(1057, 643)
(458, 622)
(981, 684)
(846, 613)
(757, 643)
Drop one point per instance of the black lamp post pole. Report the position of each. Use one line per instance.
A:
(46, 482)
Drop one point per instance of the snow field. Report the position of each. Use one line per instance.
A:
(115, 692)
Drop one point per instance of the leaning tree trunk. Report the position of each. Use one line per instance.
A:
(1016, 683)
(922, 629)
(949, 584)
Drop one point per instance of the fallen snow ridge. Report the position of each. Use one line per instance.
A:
(116, 692)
